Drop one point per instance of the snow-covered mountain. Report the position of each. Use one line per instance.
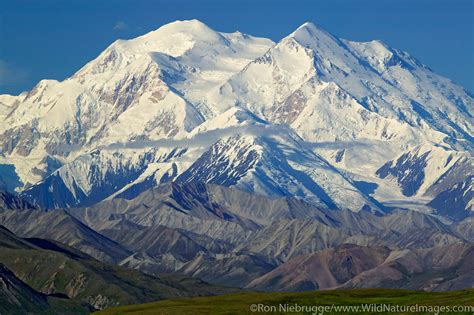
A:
(338, 123)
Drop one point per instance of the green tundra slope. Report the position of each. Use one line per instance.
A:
(241, 303)
(39, 270)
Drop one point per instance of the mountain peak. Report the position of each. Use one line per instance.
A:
(307, 25)
(174, 39)
(177, 91)
(308, 28)
(186, 25)
(193, 30)
(308, 34)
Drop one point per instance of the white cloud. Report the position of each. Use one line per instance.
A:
(203, 139)
(120, 26)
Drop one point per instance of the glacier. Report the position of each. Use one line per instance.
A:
(311, 116)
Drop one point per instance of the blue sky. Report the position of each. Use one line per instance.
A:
(54, 38)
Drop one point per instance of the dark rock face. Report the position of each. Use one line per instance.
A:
(23, 139)
(10, 201)
(453, 192)
(453, 202)
(104, 174)
(408, 170)
(213, 166)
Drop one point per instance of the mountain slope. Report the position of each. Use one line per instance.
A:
(15, 294)
(127, 79)
(321, 270)
(56, 269)
(62, 227)
(275, 165)
(352, 266)
(228, 236)
(335, 122)
(224, 235)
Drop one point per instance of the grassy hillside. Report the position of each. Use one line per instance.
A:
(240, 303)
(56, 270)
(16, 297)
